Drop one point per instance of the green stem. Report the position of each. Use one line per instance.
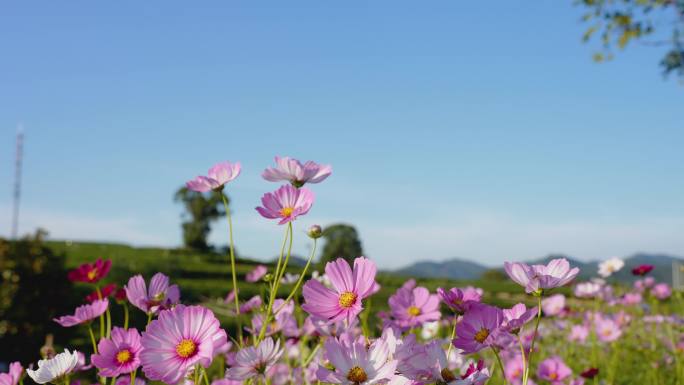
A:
(133, 373)
(231, 247)
(109, 322)
(204, 374)
(301, 277)
(125, 307)
(453, 335)
(522, 352)
(276, 283)
(92, 338)
(498, 359)
(526, 374)
(149, 318)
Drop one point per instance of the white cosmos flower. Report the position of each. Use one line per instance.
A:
(54, 368)
(610, 266)
(429, 330)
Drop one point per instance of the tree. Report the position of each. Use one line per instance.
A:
(650, 22)
(201, 210)
(341, 241)
(33, 290)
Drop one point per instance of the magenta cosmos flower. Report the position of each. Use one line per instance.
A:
(413, 307)
(293, 171)
(286, 203)
(118, 354)
(642, 270)
(90, 272)
(255, 361)
(537, 278)
(256, 274)
(479, 328)
(13, 375)
(357, 365)
(459, 300)
(349, 288)
(179, 339)
(553, 369)
(159, 296)
(105, 292)
(84, 313)
(216, 178)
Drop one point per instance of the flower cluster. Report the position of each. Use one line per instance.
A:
(312, 328)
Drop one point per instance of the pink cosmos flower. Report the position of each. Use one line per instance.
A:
(514, 369)
(643, 284)
(250, 304)
(105, 292)
(126, 380)
(159, 296)
(553, 369)
(283, 320)
(661, 291)
(631, 299)
(475, 375)
(479, 328)
(256, 274)
(537, 278)
(295, 172)
(286, 203)
(119, 354)
(517, 316)
(411, 308)
(349, 288)
(607, 330)
(13, 375)
(216, 178)
(255, 361)
(179, 339)
(355, 364)
(84, 313)
(587, 289)
(459, 300)
(553, 305)
(578, 333)
(90, 272)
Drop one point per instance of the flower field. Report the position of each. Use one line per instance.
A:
(182, 319)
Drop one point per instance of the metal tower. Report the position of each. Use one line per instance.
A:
(17, 181)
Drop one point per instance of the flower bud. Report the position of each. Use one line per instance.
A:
(268, 277)
(315, 232)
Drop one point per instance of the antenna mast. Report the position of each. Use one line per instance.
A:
(17, 180)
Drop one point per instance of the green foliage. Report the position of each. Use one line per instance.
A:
(341, 241)
(494, 275)
(201, 209)
(620, 22)
(33, 290)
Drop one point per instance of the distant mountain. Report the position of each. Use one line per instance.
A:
(453, 268)
(462, 269)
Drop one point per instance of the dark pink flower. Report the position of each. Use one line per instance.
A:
(286, 203)
(178, 340)
(642, 270)
(84, 313)
(216, 178)
(118, 354)
(459, 300)
(349, 289)
(106, 291)
(90, 272)
(293, 171)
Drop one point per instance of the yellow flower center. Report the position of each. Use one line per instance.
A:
(123, 356)
(482, 335)
(286, 211)
(92, 274)
(414, 311)
(447, 376)
(347, 299)
(553, 376)
(186, 348)
(357, 375)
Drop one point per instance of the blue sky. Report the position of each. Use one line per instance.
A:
(479, 130)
